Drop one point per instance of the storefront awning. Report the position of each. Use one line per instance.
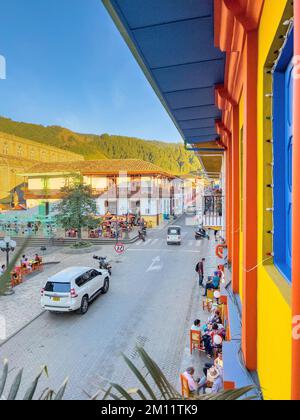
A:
(173, 42)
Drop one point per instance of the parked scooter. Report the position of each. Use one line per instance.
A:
(201, 234)
(103, 264)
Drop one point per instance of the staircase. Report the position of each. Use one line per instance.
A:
(39, 242)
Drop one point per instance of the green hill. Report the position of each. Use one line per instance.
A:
(169, 156)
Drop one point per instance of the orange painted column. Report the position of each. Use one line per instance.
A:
(249, 313)
(229, 238)
(227, 192)
(235, 237)
(296, 215)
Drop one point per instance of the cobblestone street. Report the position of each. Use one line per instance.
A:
(154, 298)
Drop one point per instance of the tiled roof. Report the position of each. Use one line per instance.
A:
(102, 166)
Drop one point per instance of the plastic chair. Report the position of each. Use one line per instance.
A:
(195, 341)
(185, 389)
(209, 300)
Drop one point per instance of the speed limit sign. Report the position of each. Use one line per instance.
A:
(119, 248)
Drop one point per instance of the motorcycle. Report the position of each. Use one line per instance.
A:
(201, 234)
(103, 264)
(142, 235)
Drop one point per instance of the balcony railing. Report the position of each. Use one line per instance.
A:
(213, 210)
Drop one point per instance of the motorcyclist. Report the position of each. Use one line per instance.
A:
(201, 232)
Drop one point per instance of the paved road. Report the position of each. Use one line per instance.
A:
(149, 303)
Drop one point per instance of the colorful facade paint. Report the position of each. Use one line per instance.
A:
(262, 285)
(259, 128)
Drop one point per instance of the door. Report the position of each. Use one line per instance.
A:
(95, 283)
(288, 158)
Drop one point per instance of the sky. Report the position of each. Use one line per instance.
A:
(67, 65)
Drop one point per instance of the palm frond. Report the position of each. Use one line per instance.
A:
(13, 390)
(162, 389)
(5, 279)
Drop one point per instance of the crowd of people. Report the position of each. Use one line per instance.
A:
(212, 333)
(27, 228)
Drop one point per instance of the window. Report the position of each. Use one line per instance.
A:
(19, 151)
(32, 154)
(58, 287)
(5, 149)
(94, 273)
(283, 154)
(82, 280)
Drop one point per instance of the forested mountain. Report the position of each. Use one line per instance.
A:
(169, 156)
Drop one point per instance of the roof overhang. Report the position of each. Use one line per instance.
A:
(173, 42)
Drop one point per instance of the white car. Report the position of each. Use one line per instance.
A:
(174, 235)
(73, 289)
(191, 210)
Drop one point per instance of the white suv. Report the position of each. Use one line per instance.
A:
(73, 289)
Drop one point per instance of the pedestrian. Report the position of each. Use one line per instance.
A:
(200, 270)
(2, 269)
(216, 235)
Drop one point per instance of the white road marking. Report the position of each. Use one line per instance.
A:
(155, 266)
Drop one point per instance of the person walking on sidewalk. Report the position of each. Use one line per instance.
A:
(200, 271)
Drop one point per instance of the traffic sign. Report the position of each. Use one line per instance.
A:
(119, 248)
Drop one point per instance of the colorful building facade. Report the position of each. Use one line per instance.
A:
(120, 187)
(18, 154)
(227, 72)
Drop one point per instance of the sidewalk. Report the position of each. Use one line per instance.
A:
(24, 306)
(197, 359)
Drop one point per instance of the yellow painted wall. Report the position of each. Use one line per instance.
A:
(274, 313)
(18, 155)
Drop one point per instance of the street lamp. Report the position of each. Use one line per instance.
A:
(7, 245)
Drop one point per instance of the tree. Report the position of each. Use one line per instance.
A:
(77, 209)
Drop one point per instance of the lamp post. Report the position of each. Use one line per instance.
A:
(7, 246)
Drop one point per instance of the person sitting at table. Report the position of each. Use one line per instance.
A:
(217, 337)
(213, 283)
(215, 376)
(196, 326)
(203, 383)
(216, 318)
(193, 384)
(37, 259)
(219, 361)
(24, 261)
(206, 340)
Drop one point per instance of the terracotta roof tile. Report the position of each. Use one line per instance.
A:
(104, 166)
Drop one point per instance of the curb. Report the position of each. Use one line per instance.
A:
(21, 329)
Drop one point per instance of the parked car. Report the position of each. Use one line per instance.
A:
(174, 235)
(73, 289)
(191, 210)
